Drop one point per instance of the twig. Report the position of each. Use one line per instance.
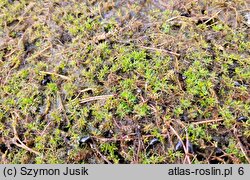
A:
(127, 137)
(138, 134)
(213, 16)
(162, 50)
(100, 154)
(22, 145)
(45, 128)
(39, 53)
(59, 75)
(82, 91)
(170, 19)
(208, 121)
(29, 7)
(241, 146)
(99, 8)
(187, 143)
(96, 98)
(16, 138)
(62, 108)
(87, 89)
(184, 147)
(47, 107)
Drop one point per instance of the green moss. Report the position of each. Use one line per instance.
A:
(158, 65)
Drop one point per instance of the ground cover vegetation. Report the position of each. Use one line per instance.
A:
(115, 81)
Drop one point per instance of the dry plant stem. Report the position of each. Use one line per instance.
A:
(236, 160)
(62, 108)
(47, 106)
(185, 148)
(213, 16)
(207, 121)
(209, 157)
(87, 89)
(186, 139)
(139, 146)
(99, 8)
(241, 146)
(100, 154)
(96, 98)
(21, 145)
(6, 78)
(59, 75)
(29, 7)
(172, 18)
(82, 91)
(236, 16)
(4, 158)
(40, 52)
(186, 155)
(162, 50)
(243, 10)
(243, 151)
(6, 56)
(157, 115)
(16, 138)
(124, 138)
(46, 127)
